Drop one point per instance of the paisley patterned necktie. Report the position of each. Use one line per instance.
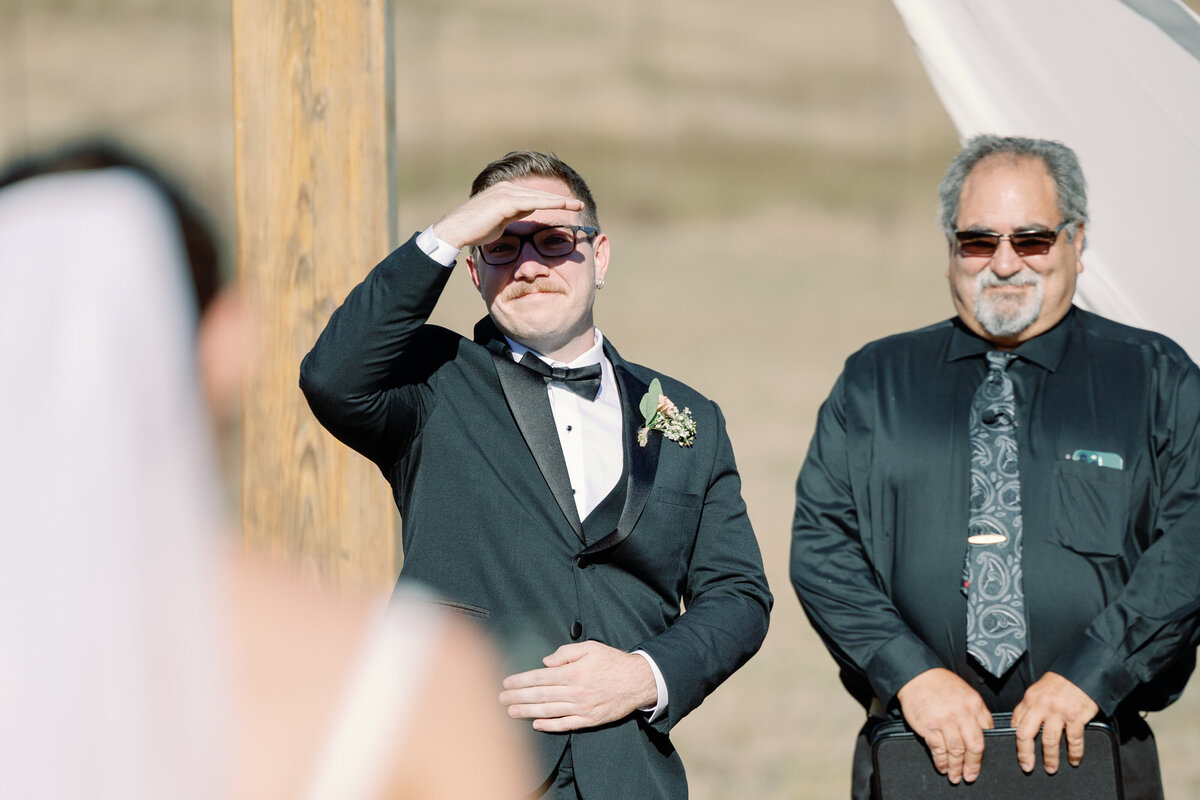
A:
(996, 627)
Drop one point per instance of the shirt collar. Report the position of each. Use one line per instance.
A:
(1045, 350)
(593, 355)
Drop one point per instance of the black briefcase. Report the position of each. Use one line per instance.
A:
(904, 769)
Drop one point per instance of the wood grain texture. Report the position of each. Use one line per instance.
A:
(314, 152)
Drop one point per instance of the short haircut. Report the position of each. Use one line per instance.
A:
(529, 163)
(1060, 162)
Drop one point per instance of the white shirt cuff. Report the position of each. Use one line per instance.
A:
(442, 252)
(656, 710)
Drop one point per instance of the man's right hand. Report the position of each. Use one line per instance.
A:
(951, 717)
(484, 217)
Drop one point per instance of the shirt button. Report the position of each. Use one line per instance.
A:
(576, 630)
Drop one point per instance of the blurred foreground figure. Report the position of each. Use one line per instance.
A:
(1001, 512)
(141, 659)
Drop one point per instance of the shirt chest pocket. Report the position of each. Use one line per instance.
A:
(1090, 508)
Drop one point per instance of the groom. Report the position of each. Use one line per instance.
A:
(569, 499)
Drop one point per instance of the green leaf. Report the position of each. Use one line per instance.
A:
(649, 403)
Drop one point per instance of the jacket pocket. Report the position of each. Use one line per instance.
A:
(465, 608)
(675, 498)
(1090, 508)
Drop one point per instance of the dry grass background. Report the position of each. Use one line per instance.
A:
(765, 169)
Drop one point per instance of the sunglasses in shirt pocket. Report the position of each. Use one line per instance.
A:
(1100, 459)
(1090, 507)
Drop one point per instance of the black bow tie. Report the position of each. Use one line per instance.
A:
(583, 381)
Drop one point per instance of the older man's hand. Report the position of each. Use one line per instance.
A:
(1052, 705)
(583, 685)
(951, 717)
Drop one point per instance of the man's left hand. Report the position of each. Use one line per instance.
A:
(583, 685)
(1053, 705)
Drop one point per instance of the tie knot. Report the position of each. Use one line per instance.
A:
(998, 360)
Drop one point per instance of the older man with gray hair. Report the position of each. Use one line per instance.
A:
(1001, 512)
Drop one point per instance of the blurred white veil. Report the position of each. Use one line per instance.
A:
(113, 680)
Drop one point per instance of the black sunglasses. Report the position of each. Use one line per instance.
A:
(1024, 243)
(553, 241)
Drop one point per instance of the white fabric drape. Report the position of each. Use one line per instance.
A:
(1119, 82)
(112, 680)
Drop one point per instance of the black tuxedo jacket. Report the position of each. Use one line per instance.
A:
(467, 440)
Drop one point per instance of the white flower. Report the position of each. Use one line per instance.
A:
(665, 417)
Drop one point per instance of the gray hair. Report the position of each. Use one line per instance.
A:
(1060, 162)
(530, 163)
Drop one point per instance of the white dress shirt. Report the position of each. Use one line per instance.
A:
(589, 432)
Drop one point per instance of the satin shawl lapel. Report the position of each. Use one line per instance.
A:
(525, 392)
(642, 461)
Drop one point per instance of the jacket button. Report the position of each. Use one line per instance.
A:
(576, 630)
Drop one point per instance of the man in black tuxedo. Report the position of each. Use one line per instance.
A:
(572, 520)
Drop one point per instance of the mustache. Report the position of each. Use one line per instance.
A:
(516, 290)
(1025, 277)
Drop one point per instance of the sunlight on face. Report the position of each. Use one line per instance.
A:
(1007, 298)
(545, 303)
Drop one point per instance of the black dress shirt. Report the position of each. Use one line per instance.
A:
(1111, 557)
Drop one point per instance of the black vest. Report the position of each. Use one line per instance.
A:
(605, 516)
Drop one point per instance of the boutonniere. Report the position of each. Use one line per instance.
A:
(665, 417)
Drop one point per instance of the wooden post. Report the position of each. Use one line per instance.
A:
(314, 157)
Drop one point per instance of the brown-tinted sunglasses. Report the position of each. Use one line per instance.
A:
(1024, 243)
